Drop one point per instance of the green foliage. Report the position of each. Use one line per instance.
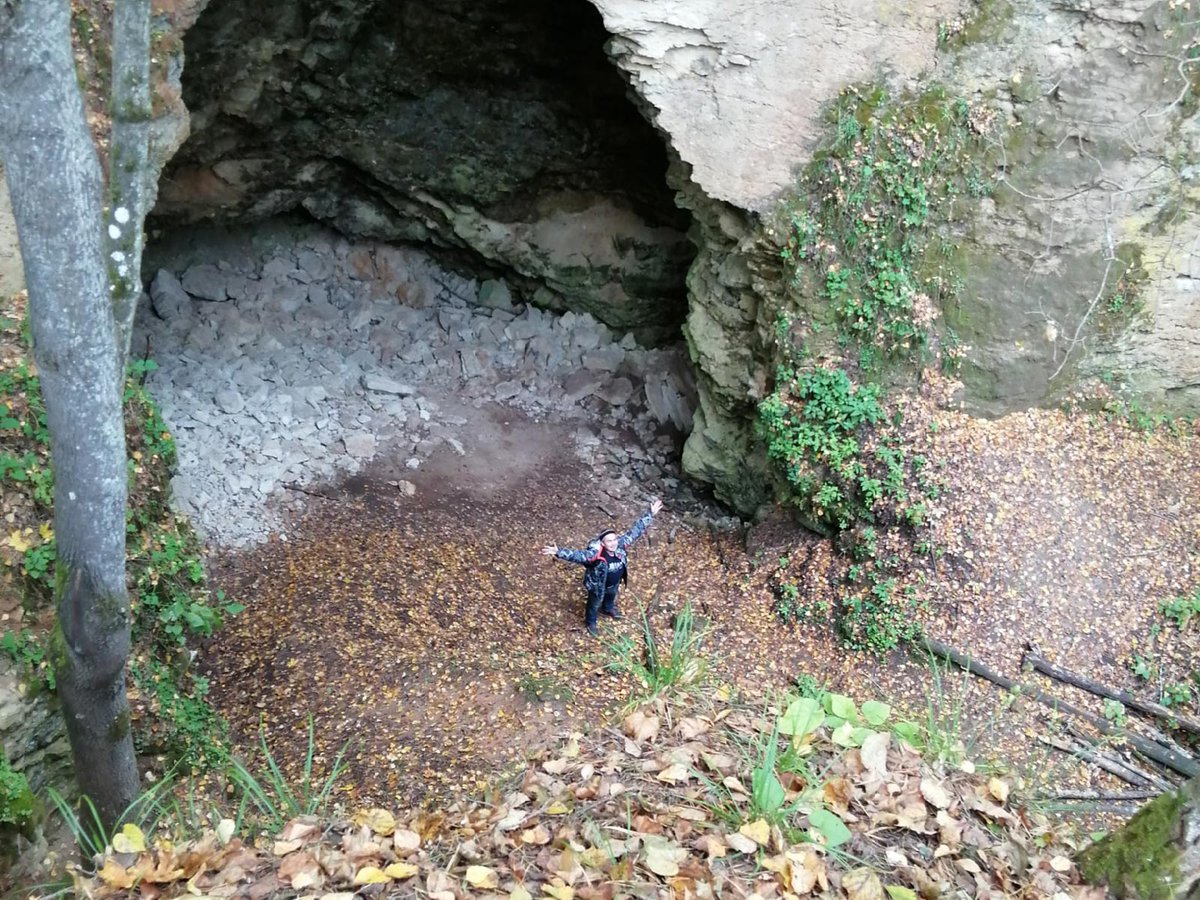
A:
(91, 837)
(169, 602)
(16, 799)
(272, 797)
(184, 726)
(28, 651)
(1182, 609)
(660, 670)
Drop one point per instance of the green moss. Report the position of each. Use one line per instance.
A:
(119, 728)
(986, 23)
(1123, 302)
(1140, 860)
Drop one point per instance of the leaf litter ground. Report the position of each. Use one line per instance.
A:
(427, 636)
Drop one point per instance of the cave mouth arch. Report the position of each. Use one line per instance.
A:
(499, 134)
(387, 216)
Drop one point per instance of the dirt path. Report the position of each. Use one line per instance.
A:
(427, 635)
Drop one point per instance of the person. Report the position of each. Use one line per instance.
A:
(605, 566)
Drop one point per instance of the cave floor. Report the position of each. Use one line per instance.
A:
(430, 640)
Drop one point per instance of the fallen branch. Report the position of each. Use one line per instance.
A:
(1058, 673)
(1115, 796)
(1178, 762)
(1127, 772)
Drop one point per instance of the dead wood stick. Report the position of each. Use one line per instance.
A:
(1155, 777)
(1058, 673)
(1102, 795)
(1109, 765)
(1178, 762)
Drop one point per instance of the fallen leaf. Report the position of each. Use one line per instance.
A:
(538, 836)
(662, 856)
(482, 877)
(555, 766)
(1060, 864)
(519, 893)
(225, 829)
(370, 875)
(933, 792)
(862, 884)
(874, 752)
(115, 875)
(406, 841)
(998, 788)
(741, 843)
(641, 727)
(758, 831)
(558, 892)
(129, 840)
(399, 871)
(379, 821)
(673, 774)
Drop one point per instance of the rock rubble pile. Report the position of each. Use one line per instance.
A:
(302, 363)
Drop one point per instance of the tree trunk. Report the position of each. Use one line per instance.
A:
(129, 187)
(55, 182)
(1156, 856)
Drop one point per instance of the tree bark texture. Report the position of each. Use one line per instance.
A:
(55, 182)
(129, 175)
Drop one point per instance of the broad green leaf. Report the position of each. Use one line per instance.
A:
(802, 716)
(859, 736)
(908, 731)
(876, 713)
(900, 893)
(843, 707)
(829, 826)
(768, 792)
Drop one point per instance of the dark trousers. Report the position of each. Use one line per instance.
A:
(602, 599)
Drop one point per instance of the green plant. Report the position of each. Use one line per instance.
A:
(1180, 610)
(1114, 711)
(28, 651)
(16, 799)
(135, 822)
(657, 669)
(273, 797)
(1178, 693)
(184, 726)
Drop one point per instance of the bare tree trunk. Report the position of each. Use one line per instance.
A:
(129, 168)
(55, 183)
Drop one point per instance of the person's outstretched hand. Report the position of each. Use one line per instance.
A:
(550, 550)
(655, 506)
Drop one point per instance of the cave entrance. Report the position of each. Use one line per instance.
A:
(389, 214)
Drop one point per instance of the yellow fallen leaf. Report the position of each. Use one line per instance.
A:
(398, 871)
(558, 892)
(741, 843)
(129, 840)
(114, 875)
(46, 530)
(519, 893)
(555, 766)
(998, 788)
(482, 877)
(370, 875)
(17, 542)
(379, 821)
(557, 808)
(758, 831)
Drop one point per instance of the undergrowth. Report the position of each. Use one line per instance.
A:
(871, 270)
(169, 602)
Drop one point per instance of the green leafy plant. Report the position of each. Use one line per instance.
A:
(135, 822)
(659, 669)
(1182, 609)
(28, 651)
(16, 799)
(272, 797)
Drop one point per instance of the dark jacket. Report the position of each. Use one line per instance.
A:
(596, 572)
